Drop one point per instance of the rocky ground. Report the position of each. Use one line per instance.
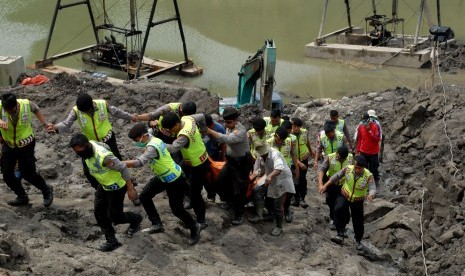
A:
(416, 223)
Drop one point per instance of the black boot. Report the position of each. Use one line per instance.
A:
(259, 205)
(303, 204)
(48, 196)
(195, 234)
(19, 200)
(157, 226)
(134, 226)
(278, 230)
(296, 202)
(288, 215)
(111, 244)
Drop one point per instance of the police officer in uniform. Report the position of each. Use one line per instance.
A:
(358, 183)
(330, 140)
(194, 153)
(258, 134)
(156, 117)
(17, 137)
(304, 151)
(332, 164)
(93, 119)
(168, 176)
(234, 177)
(114, 180)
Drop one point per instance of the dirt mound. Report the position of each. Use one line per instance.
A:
(420, 182)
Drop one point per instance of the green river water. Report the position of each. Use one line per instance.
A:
(221, 34)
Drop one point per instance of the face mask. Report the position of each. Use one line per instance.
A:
(87, 153)
(141, 144)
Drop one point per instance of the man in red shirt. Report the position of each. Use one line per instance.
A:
(368, 137)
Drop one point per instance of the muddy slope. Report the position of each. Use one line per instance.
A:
(417, 168)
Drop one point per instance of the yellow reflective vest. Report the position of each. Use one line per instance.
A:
(21, 134)
(163, 166)
(196, 153)
(302, 149)
(335, 165)
(270, 128)
(285, 148)
(355, 190)
(96, 127)
(332, 146)
(255, 139)
(340, 125)
(110, 180)
(175, 108)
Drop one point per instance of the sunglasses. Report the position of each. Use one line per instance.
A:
(228, 122)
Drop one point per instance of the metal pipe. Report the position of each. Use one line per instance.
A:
(73, 4)
(394, 8)
(438, 5)
(348, 13)
(373, 4)
(323, 19)
(184, 47)
(55, 14)
(146, 38)
(420, 16)
(132, 10)
(92, 20)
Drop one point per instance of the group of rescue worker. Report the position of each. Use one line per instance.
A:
(266, 165)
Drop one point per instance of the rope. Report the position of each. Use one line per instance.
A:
(444, 116)
(435, 67)
(422, 236)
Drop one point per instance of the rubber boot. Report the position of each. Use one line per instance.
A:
(134, 226)
(278, 230)
(48, 196)
(157, 226)
(259, 205)
(111, 244)
(19, 200)
(195, 233)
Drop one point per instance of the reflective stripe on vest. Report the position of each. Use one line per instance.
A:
(98, 126)
(270, 128)
(255, 139)
(284, 149)
(196, 153)
(335, 165)
(164, 167)
(340, 125)
(109, 179)
(332, 146)
(355, 191)
(302, 149)
(21, 134)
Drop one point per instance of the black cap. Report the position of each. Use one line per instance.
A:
(230, 113)
(329, 126)
(360, 161)
(137, 130)
(365, 116)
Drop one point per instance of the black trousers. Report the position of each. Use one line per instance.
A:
(341, 211)
(233, 182)
(372, 164)
(276, 205)
(114, 148)
(175, 192)
(27, 165)
(301, 187)
(108, 209)
(332, 193)
(198, 179)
